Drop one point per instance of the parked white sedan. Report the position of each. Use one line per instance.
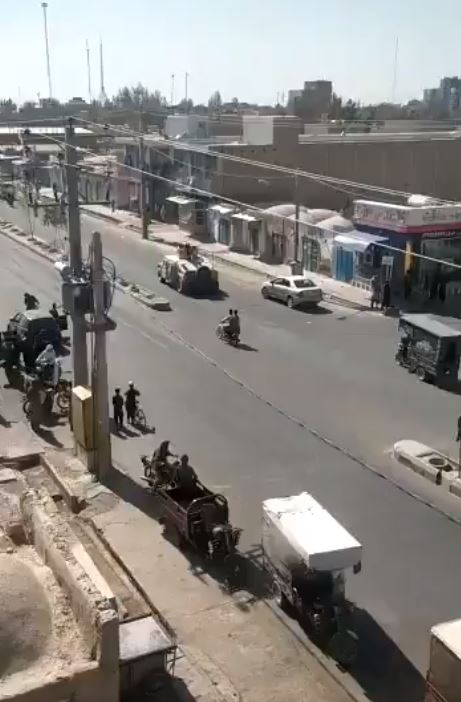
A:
(294, 290)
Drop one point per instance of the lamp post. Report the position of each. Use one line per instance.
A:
(47, 47)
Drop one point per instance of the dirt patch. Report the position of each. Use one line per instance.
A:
(39, 639)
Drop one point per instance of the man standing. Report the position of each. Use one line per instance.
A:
(117, 402)
(131, 396)
(375, 291)
(386, 297)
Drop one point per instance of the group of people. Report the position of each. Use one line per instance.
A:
(380, 295)
(181, 473)
(128, 403)
(231, 323)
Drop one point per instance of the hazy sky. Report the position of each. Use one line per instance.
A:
(251, 49)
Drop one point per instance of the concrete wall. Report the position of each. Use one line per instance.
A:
(258, 130)
(419, 166)
(95, 617)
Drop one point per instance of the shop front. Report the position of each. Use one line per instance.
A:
(430, 230)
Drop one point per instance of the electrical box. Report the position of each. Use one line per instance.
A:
(82, 416)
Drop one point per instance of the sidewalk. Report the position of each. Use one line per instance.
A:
(233, 638)
(232, 647)
(172, 235)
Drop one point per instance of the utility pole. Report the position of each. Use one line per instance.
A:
(458, 439)
(297, 209)
(172, 90)
(186, 86)
(79, 351)
(47, 47)
(88, 69)
(142, 193)
(100, 385)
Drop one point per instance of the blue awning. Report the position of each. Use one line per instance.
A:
(357, 241)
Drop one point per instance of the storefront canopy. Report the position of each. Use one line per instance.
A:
(222, 209)
(357, 241)
(180, 200)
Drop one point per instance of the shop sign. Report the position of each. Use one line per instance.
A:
(442, 235)
(404, 217)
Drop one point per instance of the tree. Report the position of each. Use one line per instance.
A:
(7, 107)
(235, 104)
(335, 107)
(350, 111)
(138, 97)
(215, 102)
(55, 217)
(186, 105)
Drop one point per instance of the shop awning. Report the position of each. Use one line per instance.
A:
(357, 241)
(180, 200)
(222, 209)
(245, 217)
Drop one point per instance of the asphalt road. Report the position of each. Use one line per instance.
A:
(250, 449)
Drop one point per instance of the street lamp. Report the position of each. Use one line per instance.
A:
(47, 47)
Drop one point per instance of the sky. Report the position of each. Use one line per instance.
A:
(250, 49)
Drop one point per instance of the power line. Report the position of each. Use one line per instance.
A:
(253, 208)
(317, 177)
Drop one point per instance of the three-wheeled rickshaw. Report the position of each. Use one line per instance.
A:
(430, 347)
(193, 514)
(306, 553)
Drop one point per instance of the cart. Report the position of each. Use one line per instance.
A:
(197, 516)
(306, 554)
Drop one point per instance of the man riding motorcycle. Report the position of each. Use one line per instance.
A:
(47, 366)
(230, 325)
(30, 302)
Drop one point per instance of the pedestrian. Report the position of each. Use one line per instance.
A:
(117, 402)
(375, 290)
(386, 296)
(131, 401)
(407, 285)
(442, 291)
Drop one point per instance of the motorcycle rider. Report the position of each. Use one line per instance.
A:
(226, 322)
(54, 311)
(30, 301)
(235, 324)
(47, 365)
(131, 396)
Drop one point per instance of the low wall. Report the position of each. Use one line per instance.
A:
(95, 616)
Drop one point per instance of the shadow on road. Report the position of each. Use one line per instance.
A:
(49, 436)
(248, 576)
(246, 347)
(382, 670)
(318, 310)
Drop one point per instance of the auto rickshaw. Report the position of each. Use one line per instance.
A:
(430, 347)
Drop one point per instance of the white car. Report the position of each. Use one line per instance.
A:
(294, 290)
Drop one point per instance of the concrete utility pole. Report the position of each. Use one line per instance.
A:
(186, 86)
(297, 210)
(100, 385)
(47, 46)
(142, 193)
(79, 350)
(172, 90)
(88, 68)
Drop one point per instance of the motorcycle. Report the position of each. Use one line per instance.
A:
(231, 338)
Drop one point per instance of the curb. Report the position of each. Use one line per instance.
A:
(100, 215)
(159, 304)
(419, 463)
(219, 257)
(75, 502)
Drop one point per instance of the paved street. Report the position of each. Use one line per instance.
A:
(236, 413)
